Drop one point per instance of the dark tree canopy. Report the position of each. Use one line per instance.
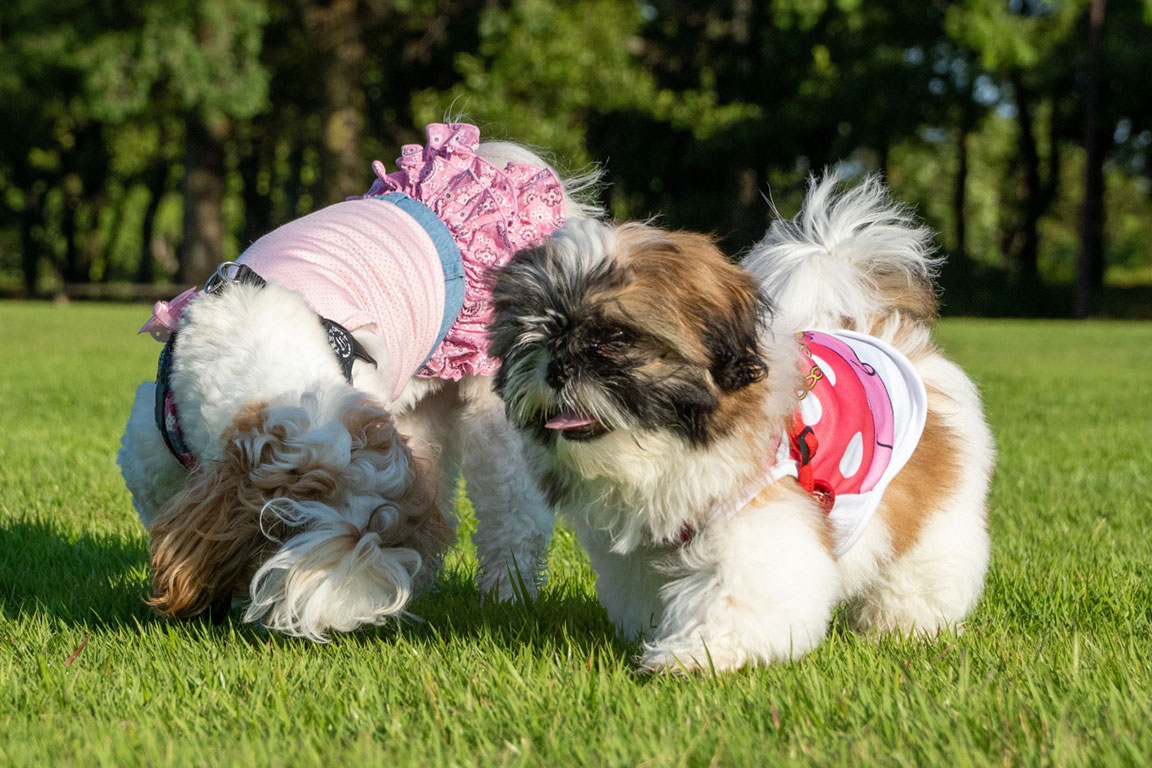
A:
(145, 141)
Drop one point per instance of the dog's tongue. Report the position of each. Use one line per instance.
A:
(568, 420)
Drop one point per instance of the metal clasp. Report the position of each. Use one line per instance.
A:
(226, 272)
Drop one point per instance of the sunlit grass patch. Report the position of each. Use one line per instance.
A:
(1052, 669)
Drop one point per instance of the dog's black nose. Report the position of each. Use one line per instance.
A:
(558, 373)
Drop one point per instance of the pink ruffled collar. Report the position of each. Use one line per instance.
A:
(491, 212)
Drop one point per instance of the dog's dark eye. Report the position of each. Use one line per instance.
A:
(613, 339)
(617, 336)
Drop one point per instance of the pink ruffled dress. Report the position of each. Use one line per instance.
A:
(491, 213)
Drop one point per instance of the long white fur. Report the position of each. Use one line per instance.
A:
(818, 268)
(336, 574)
(152, 474)
(252, 345)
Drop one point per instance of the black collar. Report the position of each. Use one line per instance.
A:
(343, 344)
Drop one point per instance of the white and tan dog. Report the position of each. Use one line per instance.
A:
(739, 449)
(316, 403)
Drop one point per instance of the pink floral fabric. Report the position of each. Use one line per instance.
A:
(491, 213)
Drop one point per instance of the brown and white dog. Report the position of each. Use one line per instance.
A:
(661, 392)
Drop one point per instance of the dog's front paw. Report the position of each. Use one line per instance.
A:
(688, 659)
(505, 584)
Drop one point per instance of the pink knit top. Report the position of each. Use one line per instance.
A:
(362, 263)
(411, 259)
(367, 262)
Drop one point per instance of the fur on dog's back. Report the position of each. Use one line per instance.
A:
(850, 259)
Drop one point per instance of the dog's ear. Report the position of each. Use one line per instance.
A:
(208, 537)
(732, 336)
(717, 300)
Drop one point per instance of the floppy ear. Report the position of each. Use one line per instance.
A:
(731, 311)
(732, 338)
(208, 536)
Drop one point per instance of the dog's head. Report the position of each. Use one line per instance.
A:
(630, 335)
(302, 495)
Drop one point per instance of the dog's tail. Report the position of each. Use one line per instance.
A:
(581, 188)
(849, 259)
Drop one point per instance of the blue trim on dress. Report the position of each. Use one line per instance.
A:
(450, 259)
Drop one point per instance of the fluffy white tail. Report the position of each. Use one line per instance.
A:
(846, 260)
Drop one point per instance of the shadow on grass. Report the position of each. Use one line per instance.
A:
(95, 580)
(100, 581)
(455, 610)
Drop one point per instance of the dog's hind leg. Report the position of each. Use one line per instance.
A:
(513, 522)
(936, 583)
(936, 513)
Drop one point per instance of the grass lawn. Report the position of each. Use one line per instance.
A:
(1055, 667)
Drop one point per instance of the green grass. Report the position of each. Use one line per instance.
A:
(1053, 669)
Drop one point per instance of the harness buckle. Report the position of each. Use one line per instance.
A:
(223, 274)
(232, 272)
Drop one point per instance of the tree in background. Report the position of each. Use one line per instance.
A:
(131, 126)
(53, 160)
(199, 62)
(806, 83)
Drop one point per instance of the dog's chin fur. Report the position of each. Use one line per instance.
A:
(657, 339)
(317, 504)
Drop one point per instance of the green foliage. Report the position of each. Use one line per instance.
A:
(1013, 35)
(542, 68)
(696, 111)
(205, 53)
(1053, 668)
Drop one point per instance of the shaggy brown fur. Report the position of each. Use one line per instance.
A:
(930, 478)
(684, 291)
(210, 538)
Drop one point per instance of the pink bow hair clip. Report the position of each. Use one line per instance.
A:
(166, 316)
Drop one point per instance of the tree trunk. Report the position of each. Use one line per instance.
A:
(883, 152)
(959, 191)
(749, 214)
(967, 122)
(1026, 256)
(1090, 259)
(155, 178)
(257, 203)
(335, 29)
(204, 169)
(294, 184)
(29, 248)
(73, 271)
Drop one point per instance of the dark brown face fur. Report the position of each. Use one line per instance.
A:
(661, 334)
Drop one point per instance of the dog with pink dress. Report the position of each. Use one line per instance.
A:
(315, 404)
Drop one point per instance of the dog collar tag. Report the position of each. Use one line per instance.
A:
(345, 346)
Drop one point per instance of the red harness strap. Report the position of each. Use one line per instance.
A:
(804, 446)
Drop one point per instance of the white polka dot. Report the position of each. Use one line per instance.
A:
(810, 409)
(853, 455)
(828, 374)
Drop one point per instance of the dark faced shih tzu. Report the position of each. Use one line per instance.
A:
(733, 470)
